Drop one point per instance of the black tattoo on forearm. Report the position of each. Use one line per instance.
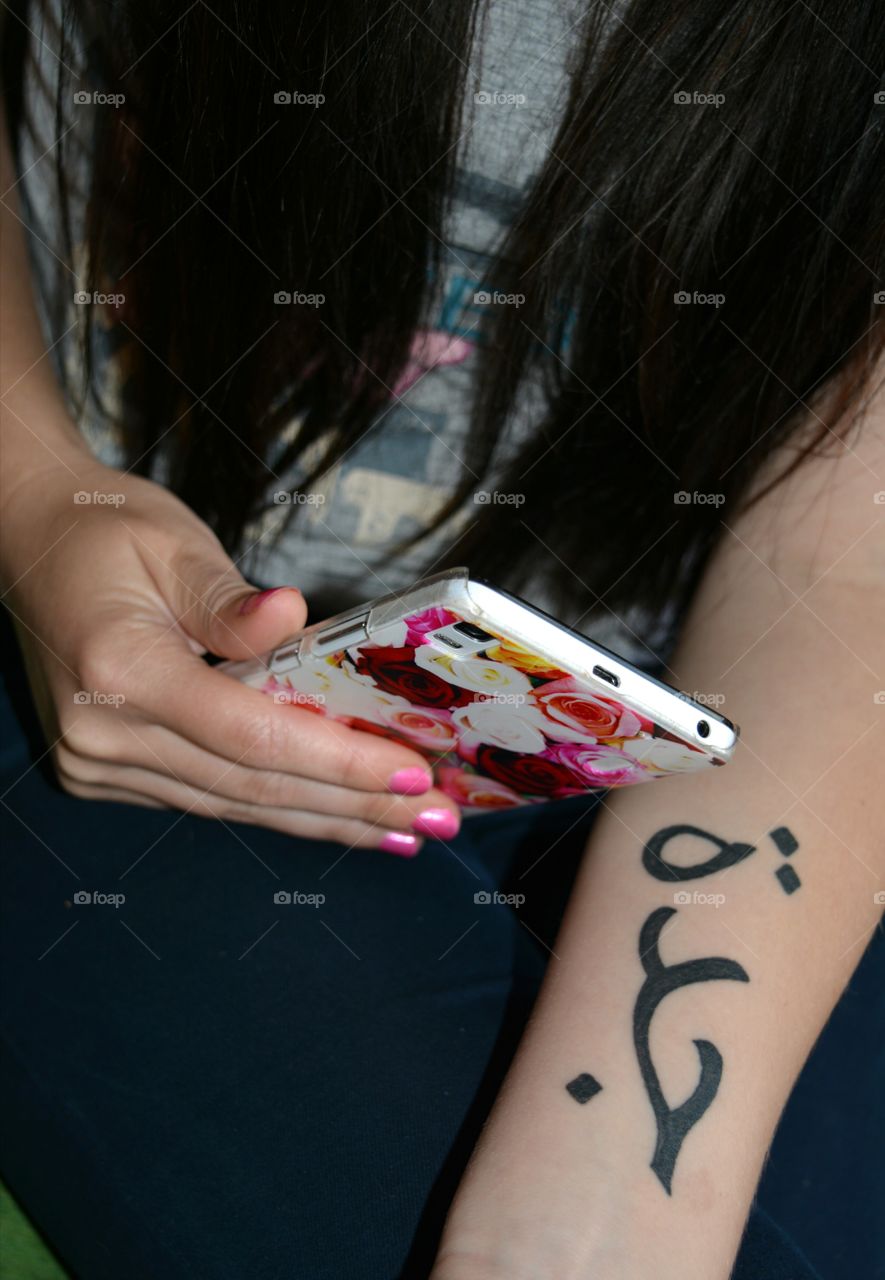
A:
(583, 1087)
(673, 1123)
(656, 865)
(728, 854)
(784, 841)
(787, 844)
(787, 879)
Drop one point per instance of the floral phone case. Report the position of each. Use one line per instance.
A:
(500, 724)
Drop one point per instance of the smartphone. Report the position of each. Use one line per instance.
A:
(508, 706)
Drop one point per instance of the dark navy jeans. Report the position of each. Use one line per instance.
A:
(201, 1081)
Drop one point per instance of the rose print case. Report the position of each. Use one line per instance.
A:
(508, 706)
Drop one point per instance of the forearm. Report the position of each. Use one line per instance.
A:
(36, 430)
(618, 1187)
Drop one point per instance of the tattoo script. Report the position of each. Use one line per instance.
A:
(674, 1123)
(727, 854)
(583, 1087)
(657, 865)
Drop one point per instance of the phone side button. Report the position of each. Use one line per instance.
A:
(286, 657)
(340, 637)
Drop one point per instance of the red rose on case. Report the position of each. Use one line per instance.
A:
(393, 670)
(529, 775)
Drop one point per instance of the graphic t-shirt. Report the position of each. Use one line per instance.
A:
(406, 465)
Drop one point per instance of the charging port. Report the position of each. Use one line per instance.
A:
(608, 676)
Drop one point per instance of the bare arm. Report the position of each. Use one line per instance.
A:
(113, 603)
(35, 428)
(683, 999)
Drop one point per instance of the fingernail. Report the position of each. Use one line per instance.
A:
(398, 842)
(410, 782)
(251, 603)
(439, 823)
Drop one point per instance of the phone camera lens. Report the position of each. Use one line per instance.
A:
(703, 728)
(470, 629)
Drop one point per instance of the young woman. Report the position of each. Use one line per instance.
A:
(300, 302)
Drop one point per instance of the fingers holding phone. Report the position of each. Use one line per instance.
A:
(129, 596)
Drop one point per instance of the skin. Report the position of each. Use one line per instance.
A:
(121, 599)
(609, 1190)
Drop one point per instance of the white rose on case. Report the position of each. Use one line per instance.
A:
(669, 757)
(339, 691)
(479, 675)
(498, 724)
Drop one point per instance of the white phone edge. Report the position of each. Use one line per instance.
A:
(498, 611)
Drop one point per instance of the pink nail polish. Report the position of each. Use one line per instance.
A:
(410, 782)
(441, 824)
(400, 843)
(251, 603)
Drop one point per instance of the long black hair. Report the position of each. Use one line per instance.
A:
(727, 152)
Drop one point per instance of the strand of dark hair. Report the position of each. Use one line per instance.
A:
(773, 199)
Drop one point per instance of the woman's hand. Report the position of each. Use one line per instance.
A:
(115, 596)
